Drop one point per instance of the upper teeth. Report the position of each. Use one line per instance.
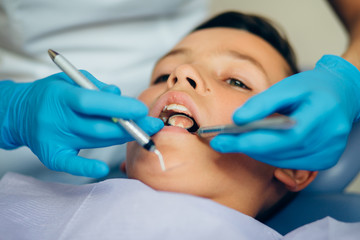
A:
(177, 108)
(174, 108)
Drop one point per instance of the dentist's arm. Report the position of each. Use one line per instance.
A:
(324, 102)
(349, 13)
(55, 119)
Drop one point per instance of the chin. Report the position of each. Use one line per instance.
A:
(176, 156)
(185, 160)
(178, 147)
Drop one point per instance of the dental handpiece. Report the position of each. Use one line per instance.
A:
(271, 123)
(130, 126)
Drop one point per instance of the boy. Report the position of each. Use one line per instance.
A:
(206, 76)
(201, 82)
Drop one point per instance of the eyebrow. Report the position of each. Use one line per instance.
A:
(245, 57)
(231, 53)
(178, 51)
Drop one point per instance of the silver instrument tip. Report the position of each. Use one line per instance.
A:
(52, 53)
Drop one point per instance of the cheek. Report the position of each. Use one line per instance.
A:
(221, 111)
(150, 95)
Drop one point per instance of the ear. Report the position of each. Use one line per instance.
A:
(123, 167)
(295, 180)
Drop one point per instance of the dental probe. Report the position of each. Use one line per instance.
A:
(274, 123)
(130, 126)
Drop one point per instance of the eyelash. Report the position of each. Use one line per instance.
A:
(161, 78)
(237, 83)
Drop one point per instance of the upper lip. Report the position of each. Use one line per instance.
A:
(175, 97)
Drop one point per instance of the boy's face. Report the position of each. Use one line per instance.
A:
(209, 74)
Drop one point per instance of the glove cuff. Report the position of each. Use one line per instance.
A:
(349, 74)
(9, 92)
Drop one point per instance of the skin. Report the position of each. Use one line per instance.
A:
(202, 72)
(349, 13)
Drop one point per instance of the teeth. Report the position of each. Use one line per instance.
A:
(180, 120)
(177, 108)
(178, 116)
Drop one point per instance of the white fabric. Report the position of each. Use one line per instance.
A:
(326, 229)
(118, 41)
(116, 209)
(128, 209)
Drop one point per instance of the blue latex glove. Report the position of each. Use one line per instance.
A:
(55, 118)
(324, 102)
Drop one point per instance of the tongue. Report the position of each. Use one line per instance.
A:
(179, 120)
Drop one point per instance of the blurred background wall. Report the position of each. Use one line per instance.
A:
(310, 25)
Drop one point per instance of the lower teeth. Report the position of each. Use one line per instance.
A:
(179, 120)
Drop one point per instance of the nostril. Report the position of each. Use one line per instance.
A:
(192, 82)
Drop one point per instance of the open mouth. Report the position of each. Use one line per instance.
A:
(177, 115)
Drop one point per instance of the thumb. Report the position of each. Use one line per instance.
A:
(68, 161)
(101, 85)
(111, 89)
(150, 125)
(277, 99)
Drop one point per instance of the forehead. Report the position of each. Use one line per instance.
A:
(215, 41)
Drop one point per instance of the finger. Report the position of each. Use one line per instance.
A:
(259, 143)
(294, 159)
(281, 143)
(101, 85)
(95, 133)
(111, 89)
(98, 132)
(317, 160)
(277, 98)
(61, 76)
(68, 161)
(104, 104)
(150, 125)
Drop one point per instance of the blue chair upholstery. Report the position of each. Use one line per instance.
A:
(326, 196)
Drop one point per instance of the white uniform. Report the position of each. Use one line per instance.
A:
(118, 41)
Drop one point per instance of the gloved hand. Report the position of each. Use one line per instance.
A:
(324, 102)
(55, 118)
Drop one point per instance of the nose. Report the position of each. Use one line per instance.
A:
(186, 75)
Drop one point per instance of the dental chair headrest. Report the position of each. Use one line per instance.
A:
(337, 178)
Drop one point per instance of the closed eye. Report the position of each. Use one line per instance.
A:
(237, 83)
(161, 79)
